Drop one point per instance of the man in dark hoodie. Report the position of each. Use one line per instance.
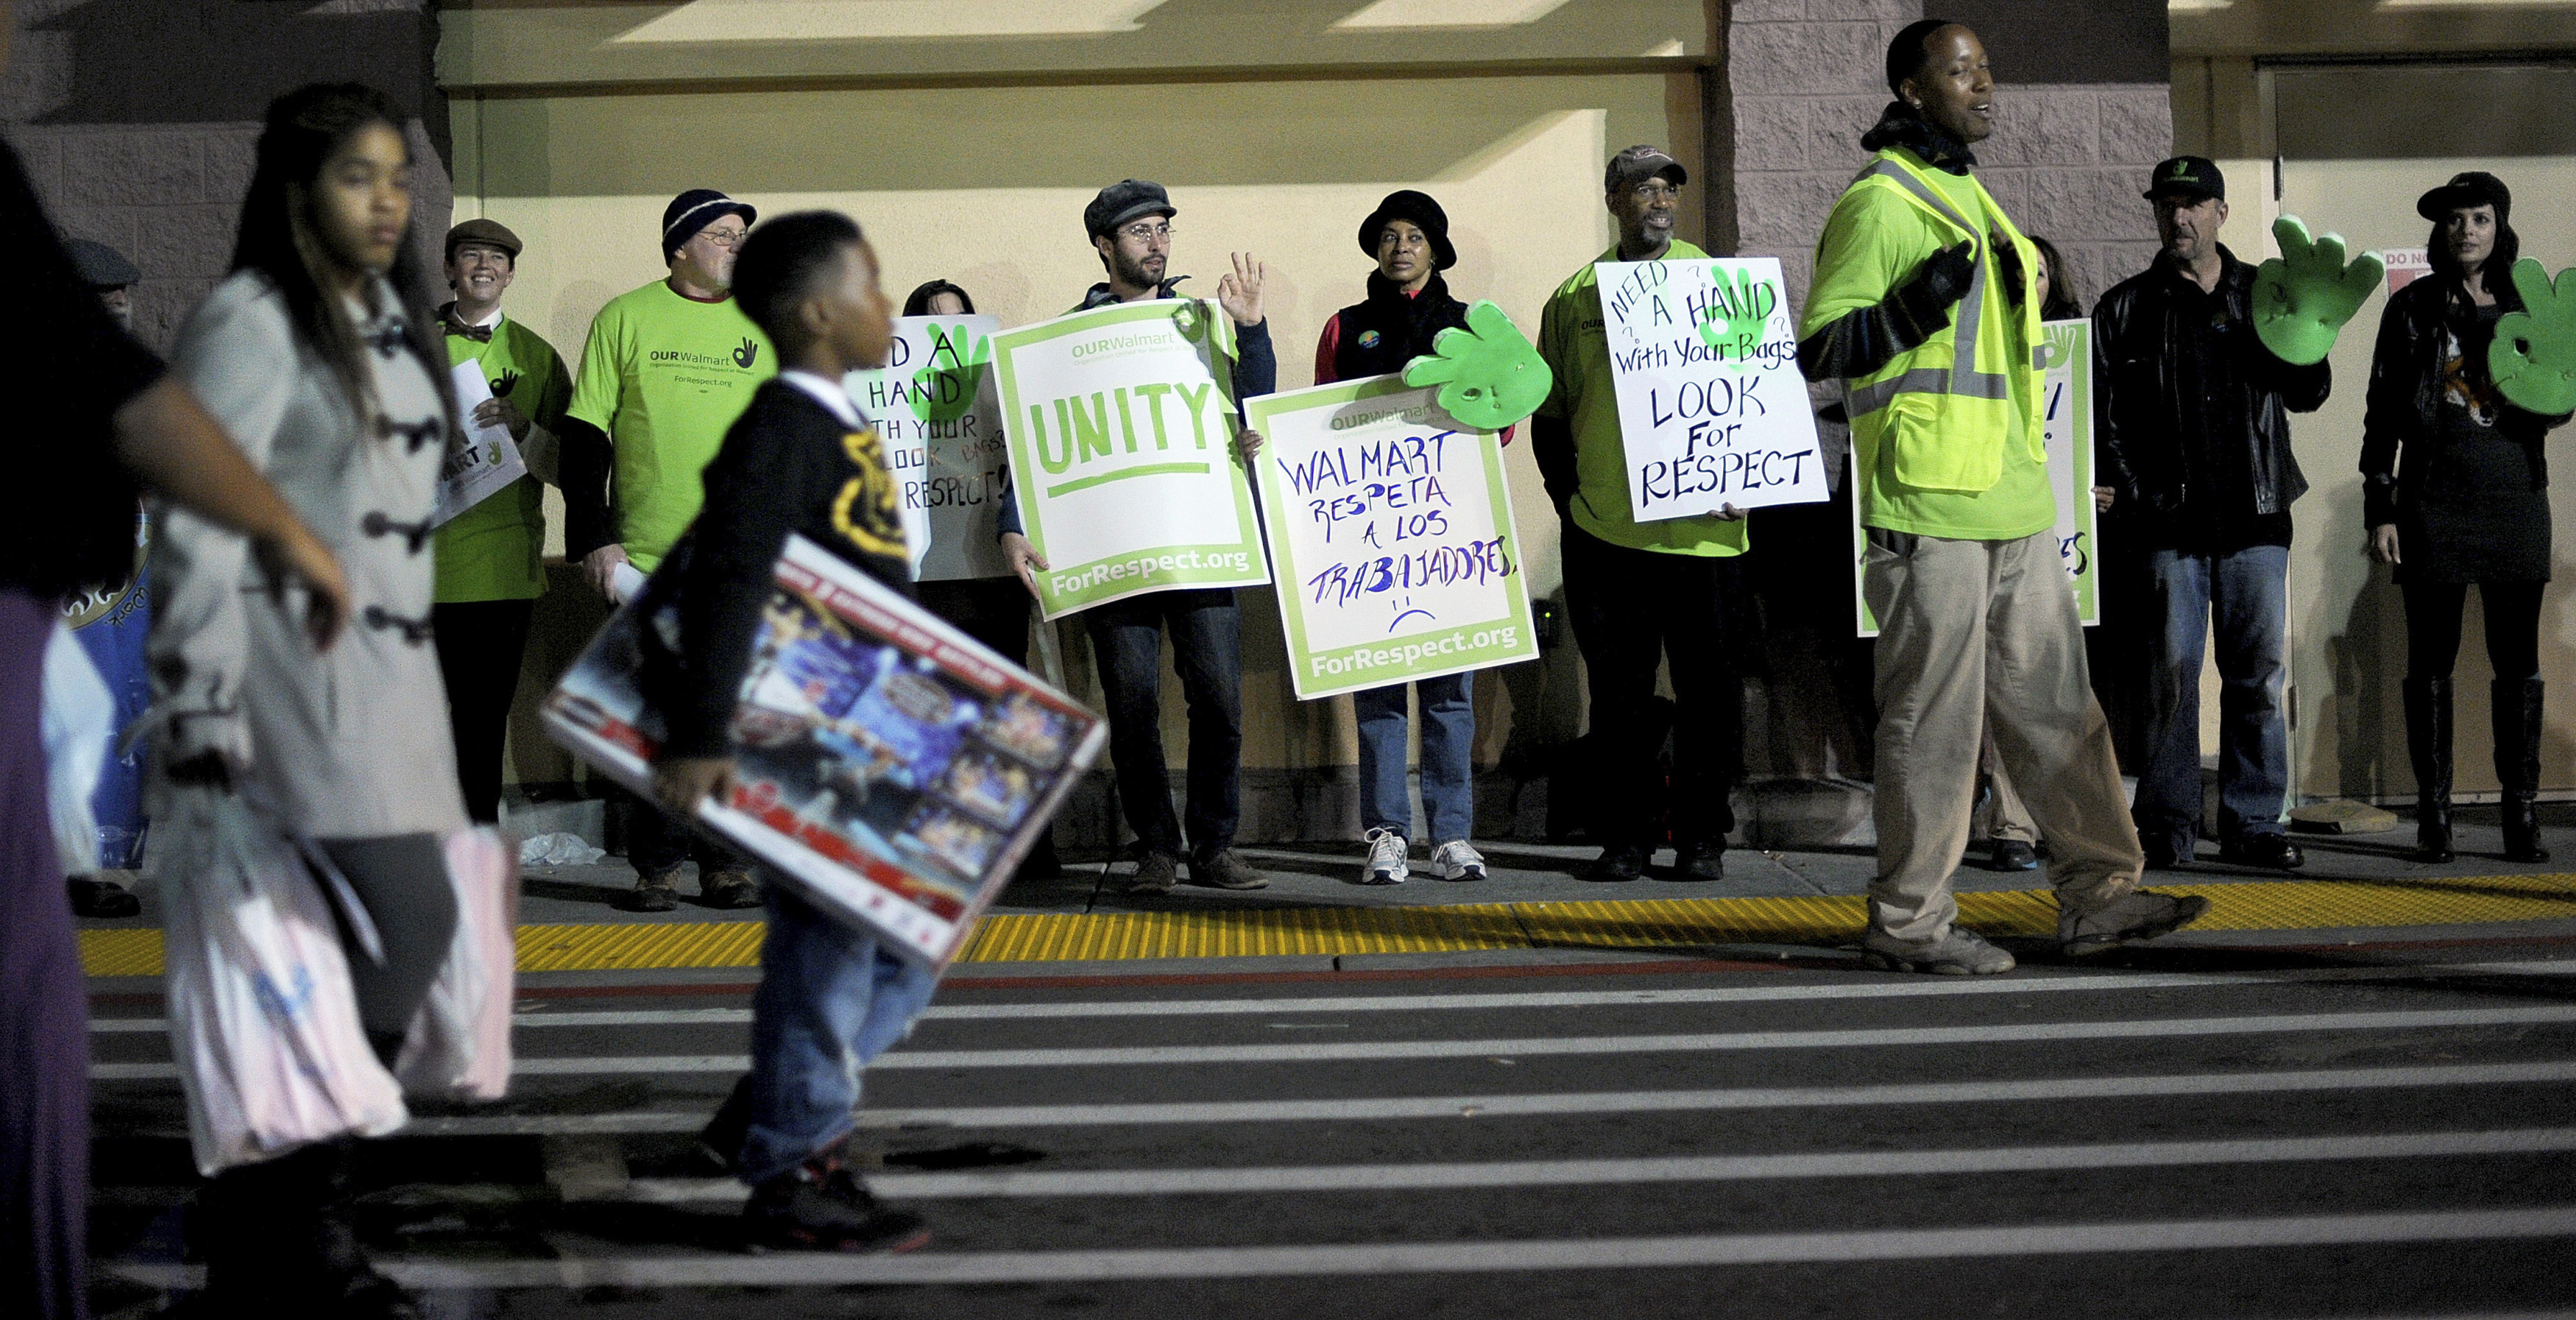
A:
(1923, 308)
(2193, 415)
(1130, 223)
(800, 460)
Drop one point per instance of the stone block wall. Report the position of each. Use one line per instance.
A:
(136, 120)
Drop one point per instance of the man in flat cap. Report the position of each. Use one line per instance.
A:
(491, 565)
(1640, 595)
(1130, 225)
(2194, 418)
(667, 369)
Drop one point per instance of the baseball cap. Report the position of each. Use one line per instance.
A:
(2195, 176)
(2466, 188)
(1639, 163)
(100, 266)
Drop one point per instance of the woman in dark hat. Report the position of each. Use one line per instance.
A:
(1408, 306)
(2470, 503)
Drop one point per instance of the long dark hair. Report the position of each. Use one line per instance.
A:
(2061, 304)
(919, 303)
(2495, 273)
(304, 128)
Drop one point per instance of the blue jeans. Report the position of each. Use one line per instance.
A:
(2247, 593)
(1448, 740)
(1207, 652)
(829, 1001)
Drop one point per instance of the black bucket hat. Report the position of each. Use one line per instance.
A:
(2467, 188)
(1406, 204)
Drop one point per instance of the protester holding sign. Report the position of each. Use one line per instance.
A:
(491, 565)
(1408, 305)
(2193, 412)
(1640, 594)
(1129, 224)
(993, 609)
(800, 461)
(1923, 307)
(668, 367)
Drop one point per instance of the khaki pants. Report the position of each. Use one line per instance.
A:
(1976, 635)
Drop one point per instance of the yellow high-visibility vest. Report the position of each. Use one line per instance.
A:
(1936, 417)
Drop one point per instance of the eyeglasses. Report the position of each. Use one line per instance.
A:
(1146, 233)
(723, 238)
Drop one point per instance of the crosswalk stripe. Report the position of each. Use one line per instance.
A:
(1600, 1102)
(667, 1269)
(1543, 1046)
(1888, 989)
(1665, 1169)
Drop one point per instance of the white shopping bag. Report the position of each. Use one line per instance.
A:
(79, 722)
(459, 1046)
(263, 1021)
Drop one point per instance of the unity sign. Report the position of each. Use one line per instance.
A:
(1712, 408)
(1122, 441)
(938, 411)
(1391, 524)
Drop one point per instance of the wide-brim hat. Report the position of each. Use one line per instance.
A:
(2466, 188)
(1407, 204)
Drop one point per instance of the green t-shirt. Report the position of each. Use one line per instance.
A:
(665, 375)
(496, 550)
(1873, 241)
(1572, 337)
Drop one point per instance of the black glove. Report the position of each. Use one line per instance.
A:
(1921, 304)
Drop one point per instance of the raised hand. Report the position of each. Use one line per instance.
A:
(2303, 296)
(1489, 375)
(1240, 293)
(1736, 313)
(2533, 356)
(966, 367)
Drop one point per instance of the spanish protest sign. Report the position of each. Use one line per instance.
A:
(1391, 526)
(888, 767)
(1120, 423)
(2066, 432)
(939, 412)
(1712, 408)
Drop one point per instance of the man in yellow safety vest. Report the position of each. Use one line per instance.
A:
(1923, 308)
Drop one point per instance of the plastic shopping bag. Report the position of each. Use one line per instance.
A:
(79, 722)
(459, 1046)
(263, 1021)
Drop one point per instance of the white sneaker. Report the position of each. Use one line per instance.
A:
(1386, 859)
(1457, 860)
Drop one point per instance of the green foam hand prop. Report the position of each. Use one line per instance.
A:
(1736, 314)
(1489, 375)
(945, 390)
(2533, 356)
(2303, 296)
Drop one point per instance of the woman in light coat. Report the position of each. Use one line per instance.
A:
(319, 356)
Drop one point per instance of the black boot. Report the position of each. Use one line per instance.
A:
(277, 1242)
(2517, 761)
(2428, 743)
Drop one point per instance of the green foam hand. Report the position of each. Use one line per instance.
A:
(944, 393)
(1489, 375)
(1731, 316)
(2533, 356)
(2303, 296)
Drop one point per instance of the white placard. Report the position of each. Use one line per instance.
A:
(488, 459)
(1712, 408)
(937, 406)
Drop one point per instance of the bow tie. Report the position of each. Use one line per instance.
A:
(447, 320)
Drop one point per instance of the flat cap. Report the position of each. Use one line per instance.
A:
(479, 230)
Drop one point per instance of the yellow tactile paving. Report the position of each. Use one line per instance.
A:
(1624, 924)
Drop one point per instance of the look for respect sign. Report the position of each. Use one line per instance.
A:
(1121, 428)
(936, 408)
(1391, 525)
(1712, 409)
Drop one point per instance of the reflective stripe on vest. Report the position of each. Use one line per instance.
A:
(1962, 377)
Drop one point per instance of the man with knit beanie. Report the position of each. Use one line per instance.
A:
(1924, 309)
(667, 369)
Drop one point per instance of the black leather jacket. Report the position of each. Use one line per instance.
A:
(2138, 412)
(2406, 390)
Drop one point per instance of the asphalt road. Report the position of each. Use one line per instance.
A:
(2204, 1130)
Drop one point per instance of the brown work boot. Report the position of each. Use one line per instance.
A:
(656, 892)
(730, 887)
